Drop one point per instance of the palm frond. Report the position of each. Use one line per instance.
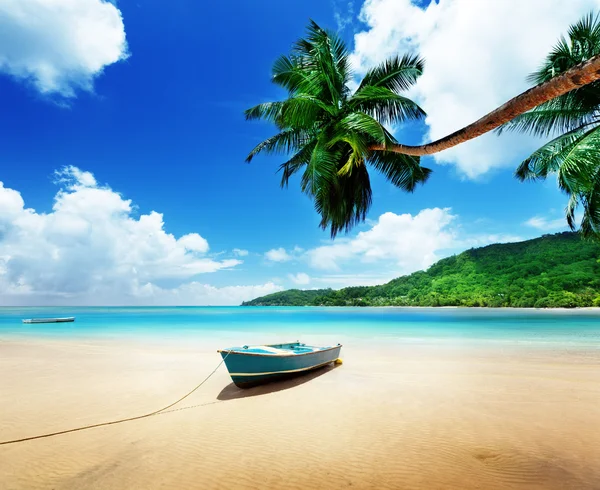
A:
(356, 156)
(321, 169)
(289, 73)
(589, 199)
(385, 105)
(286, 141)
(346, 203)
(583, 43)
(575, 154)
(299, 111)
(371, 129)
(543, 121)
(269, 111)
(327, 132)
(395, 74)
(590, 223)
(403, 171)
(323, 57)
(579, 163)
(295, 164)
(570, 210)
(549, 157)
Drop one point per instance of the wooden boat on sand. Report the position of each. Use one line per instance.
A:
(50, 320)
(253, 365)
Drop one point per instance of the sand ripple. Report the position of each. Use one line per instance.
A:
(426, 417)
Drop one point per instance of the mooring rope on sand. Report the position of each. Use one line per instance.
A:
(119, 421)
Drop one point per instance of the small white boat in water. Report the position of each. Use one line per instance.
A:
(50, 320)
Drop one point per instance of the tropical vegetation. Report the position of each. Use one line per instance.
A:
(574, 154)
(334, 135)
(328, 129)
(560, 270)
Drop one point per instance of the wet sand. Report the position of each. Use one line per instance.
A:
(422, 415)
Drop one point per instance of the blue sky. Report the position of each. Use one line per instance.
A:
(141, 106)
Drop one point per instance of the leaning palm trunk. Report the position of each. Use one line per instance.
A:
(335, 136)
(576, 77)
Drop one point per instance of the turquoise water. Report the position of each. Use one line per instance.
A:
(564, 326)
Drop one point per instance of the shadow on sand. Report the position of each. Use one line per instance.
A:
(232, 392)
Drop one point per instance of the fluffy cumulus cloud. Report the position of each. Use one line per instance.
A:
(301, 278)
(195, 293)
(282, 255)
(478, 54)
(396, 244)
(92, 248)
(408, 242)
(278, 255)
(60, 46)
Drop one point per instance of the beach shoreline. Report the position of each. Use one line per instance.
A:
(422, 415)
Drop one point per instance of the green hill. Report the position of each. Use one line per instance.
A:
(560, 270)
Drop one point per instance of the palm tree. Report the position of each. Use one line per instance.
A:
(578, 76)
(328, 130)
(334, 134)
(574, 155)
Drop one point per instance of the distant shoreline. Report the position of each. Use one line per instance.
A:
(511, 308)
(63, 307)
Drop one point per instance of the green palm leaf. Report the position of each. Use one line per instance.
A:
(544, 121)
(403, 171)
(590, 199)
(396, 74)
(385, 105)
(295, 164)
(327, 132)
(575, 154)
(550, 157)
(286, 141)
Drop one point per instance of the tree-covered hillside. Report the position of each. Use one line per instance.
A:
(291, 297)
(559, 270)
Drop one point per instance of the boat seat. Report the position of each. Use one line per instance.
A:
(272, 350)
(280, 351)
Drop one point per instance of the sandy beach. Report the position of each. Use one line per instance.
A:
(418, 415)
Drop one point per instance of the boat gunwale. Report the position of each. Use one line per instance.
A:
(288, 371)
(278, 356)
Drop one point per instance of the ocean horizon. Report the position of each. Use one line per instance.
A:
(571, 327)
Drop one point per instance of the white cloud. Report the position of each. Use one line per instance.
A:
(545, 224)
(193, 242)
(343, 13)
(91, 248)
(487, 239)
(300, 278)
(60, 46)
(278, 255)
(395, 245)
(408, 242)
(240, 252)
(478, 54)
(202, 294)
(73, 177)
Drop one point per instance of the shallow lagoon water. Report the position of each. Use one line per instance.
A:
(572, 327)
(425, 398)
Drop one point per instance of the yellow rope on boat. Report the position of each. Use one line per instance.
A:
(112, 422)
